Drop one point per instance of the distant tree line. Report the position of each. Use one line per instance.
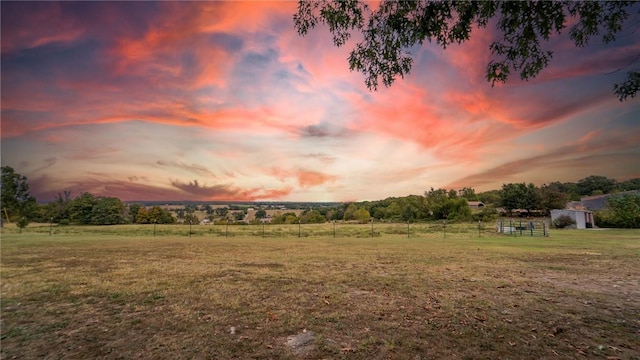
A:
(434, 204)
(87, 209)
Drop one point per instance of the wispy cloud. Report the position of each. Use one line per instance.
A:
(193, 168)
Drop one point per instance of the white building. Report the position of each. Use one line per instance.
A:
(583, 218)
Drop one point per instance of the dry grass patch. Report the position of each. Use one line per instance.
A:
(574, 295)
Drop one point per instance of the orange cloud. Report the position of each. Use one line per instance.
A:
(305, 178)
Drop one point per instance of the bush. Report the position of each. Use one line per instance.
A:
(563, 221)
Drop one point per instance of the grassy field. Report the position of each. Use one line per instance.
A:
(120, 293)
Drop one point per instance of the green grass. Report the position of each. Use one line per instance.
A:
(99, 292)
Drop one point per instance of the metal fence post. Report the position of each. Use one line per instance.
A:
(520, 227)
(334, 229)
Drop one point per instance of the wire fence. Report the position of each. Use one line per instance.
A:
(338, 229)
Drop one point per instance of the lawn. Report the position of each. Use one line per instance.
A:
(98, 293)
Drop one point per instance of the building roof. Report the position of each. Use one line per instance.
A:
(597, 202)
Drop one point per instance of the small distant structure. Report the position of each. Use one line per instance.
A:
(582, 217)
(476, 204)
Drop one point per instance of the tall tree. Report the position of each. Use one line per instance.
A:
(595, 184)
(350, 211)
(133, 212)
(468, 193)
(81, 209)
(519, 196)
(58, 209)
(551, 198)
(443, 204)
(142, 216)
(191, 218)
(389, 31)
(631, 184)
(490, 197)
(107, 211)
(158, 215)
(436, 203)
(16, 199)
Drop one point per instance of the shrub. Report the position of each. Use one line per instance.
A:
(563, 221)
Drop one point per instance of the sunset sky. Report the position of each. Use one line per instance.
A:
(224, 101)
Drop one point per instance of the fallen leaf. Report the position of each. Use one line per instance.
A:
(480, 318)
